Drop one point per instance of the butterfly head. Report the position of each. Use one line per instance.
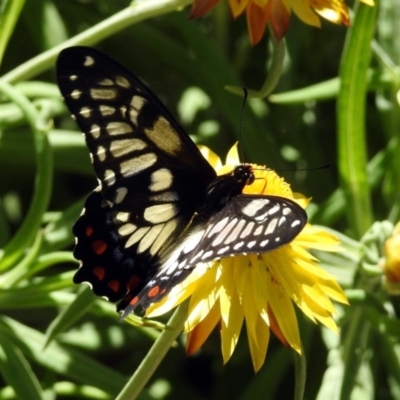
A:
(244, 174)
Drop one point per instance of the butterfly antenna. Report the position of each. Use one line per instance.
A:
(241, 153)
(297, 169)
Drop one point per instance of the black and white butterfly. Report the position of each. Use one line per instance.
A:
(160, 208)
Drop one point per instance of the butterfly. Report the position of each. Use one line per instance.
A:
(159, 209)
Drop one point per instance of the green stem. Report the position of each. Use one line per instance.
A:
(156, 354)
(137, 12)
(351, 119)
(273, 74)
(43, 181)
(300, 373)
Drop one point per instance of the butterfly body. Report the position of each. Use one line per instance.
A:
(160, 208)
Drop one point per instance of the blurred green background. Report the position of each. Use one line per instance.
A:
(89, 353)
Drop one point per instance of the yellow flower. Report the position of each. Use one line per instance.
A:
(258, 289)
(391, 262)
(276, 13)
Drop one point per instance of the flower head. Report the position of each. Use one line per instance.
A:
(258, 289)
(276, 13)
(391, 261)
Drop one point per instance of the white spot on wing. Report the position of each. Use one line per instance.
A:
(120, 194)
(123, 147)
(103, 94)
(85, 112)
(106, 82)
(247, 230)
(259, 230)
(271, 226)
(207, 254)
(167, 230)
(106, 110)
(127, 229)
(251, 209)
(139, 233)
(235, 232)
(137, 164)
(109, 177)
(75, 94)
(223, 250)
(122, 217)
(164, 136)
(238, 245)
(218, 227)
(123, 82)
(149, 238)
(225, 232)
(101, 153)
(95, 131)
(160, 213)
(138, 102)
(118, 128)
(161, 180)
(251, 244)
(89, 61)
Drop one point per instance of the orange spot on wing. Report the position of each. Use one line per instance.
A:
(113, 285)
(153, 291)
(134, 301)
(99, 246)
(99, 272)
(89, 231)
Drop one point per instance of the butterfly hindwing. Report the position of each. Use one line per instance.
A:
(247, 224)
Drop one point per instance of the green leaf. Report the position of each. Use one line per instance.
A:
(71, 313)
(17, 372)
(9, 13)
(60, 358)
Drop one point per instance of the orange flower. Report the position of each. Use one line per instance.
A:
(259, 290)
(276, 13)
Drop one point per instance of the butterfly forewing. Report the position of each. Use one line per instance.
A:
(151, 174)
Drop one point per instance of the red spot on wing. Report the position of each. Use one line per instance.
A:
(153, 291)
(114, 285)
(89, 231)
(99, 246)
(133, 282)
(134, 301)
(100, 273)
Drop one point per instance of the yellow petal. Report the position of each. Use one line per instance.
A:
(203, 298)
(232, 320)
(199, 334)
(211, 157)
(283, 310)
(259, 276)
(303, 10)
(258, 349)
(237, 6)
(233, 155)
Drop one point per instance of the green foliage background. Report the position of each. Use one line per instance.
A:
(56, 339)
